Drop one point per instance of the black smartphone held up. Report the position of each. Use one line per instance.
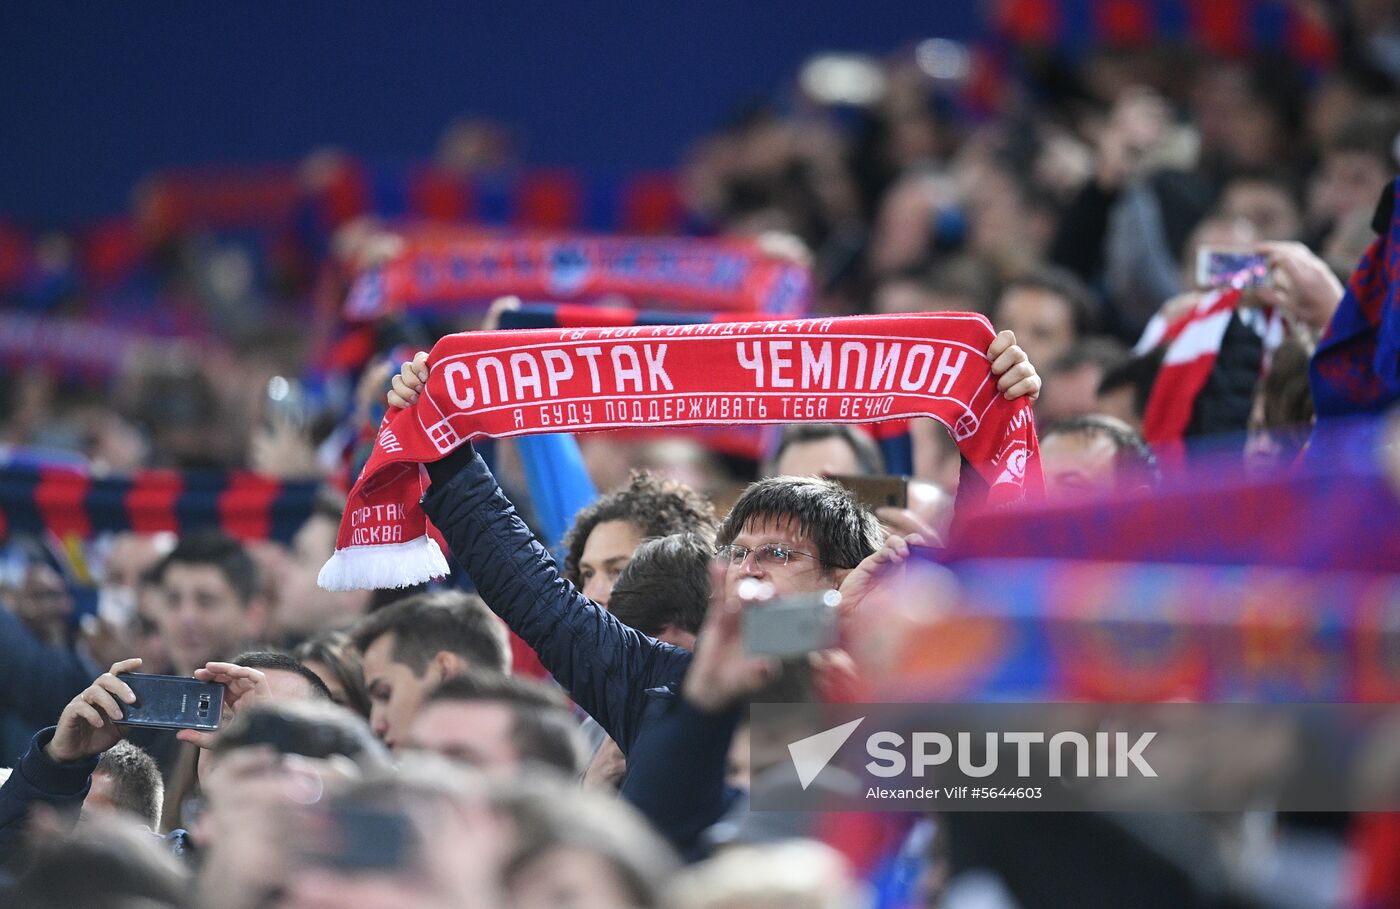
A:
(172, 702)
(878, 491)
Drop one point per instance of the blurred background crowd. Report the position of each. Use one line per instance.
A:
(1055, 165)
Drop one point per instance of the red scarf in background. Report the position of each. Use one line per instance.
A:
(450, 271)
(500, 384)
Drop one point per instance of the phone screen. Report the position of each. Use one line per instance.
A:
(1226, 268)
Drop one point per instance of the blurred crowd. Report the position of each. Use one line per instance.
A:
(537, 736)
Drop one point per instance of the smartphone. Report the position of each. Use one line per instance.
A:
(172, 702)
(1221, 267)
(285, 403)
(357, 839)
(878, 491)
(793, 625)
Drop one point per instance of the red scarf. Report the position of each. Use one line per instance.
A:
(500, 384)
(449, 271)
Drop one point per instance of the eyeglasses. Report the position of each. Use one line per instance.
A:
(768, 554)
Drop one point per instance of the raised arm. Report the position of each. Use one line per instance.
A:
(605, 665)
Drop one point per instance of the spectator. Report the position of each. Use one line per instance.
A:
(104, 865)
(123, 625)
(43, 601)
(575, 848)
(36, 681)
(606, 533)
(303, 608)
(1047, 309)
(1072, 382)
(956, 284)
(825, 449)
(412, 646)
(57, 769)
(336, 662)
(1358, 161)
(146, 639)
(1282, 417)
(1095, 456)
(500, 725)
(664, 591)
(423, 835)
(211, 604)
(795, 874)
(1124, 389)
(1266, 199)
(273, 761)
(309, 728)
(128, 782)
(287, 679)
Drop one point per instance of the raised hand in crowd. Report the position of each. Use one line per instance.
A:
(1138, 123)
(88, 725)
(1302, 284)
(722, 673)
(243, 687)
(403, 390)
(1016, 374)
(608, 767)
(874, 569)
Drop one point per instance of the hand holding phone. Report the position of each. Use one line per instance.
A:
(793, 625)
(89, 726)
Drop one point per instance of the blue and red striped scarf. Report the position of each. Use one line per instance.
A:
(68, 501)
(1356, 369)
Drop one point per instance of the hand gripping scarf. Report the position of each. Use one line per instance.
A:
(501, 384)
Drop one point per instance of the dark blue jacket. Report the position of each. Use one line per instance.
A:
(36, 681)
(625, 680)
(39, 778)
(618, 675)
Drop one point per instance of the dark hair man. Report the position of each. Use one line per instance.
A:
(127, 781)
(310, 728)
(1072, 382)
(412, 646)
(1048, 308)
(664, 591)
(303, 608)
(499, 724)
(1095, 456)
(210, 600)
(825, 449)
(606, 533)
(287, 678)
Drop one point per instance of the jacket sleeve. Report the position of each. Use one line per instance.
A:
(38, 778)
(605, 665)
(683, 744)
(36, 681)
